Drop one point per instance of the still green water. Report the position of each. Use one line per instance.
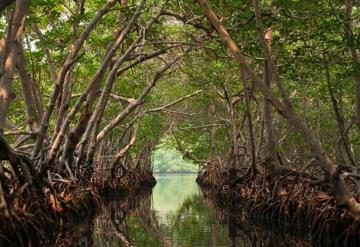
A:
(175, 214)
(183, 216)
(172, 190)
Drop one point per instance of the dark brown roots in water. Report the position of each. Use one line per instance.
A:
(110, 220)
(34, 216)
(286, 205)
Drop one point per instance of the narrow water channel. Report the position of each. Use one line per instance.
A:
(183, 217)
(175, 214)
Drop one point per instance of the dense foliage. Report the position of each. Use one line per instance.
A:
(168, 160)
(255, 85)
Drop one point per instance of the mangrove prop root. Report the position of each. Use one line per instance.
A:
(301, 209)
(33, 211)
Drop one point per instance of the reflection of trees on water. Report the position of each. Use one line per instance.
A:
(128, 225)
(111, 227)
(197, 223)
(194, 223)
(242, 232)
(76, 235)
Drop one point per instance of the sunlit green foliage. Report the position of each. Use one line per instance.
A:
(307, 37)
(168, 160)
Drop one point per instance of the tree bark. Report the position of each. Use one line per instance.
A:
(16, 27)
(234, 128)
(270, 143)
(250, 125)
(122, 152)
(27, 84)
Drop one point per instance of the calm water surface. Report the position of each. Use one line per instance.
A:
(175, 214)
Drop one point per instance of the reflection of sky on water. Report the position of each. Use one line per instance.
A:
(170, 192)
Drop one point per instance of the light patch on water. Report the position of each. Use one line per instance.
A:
(170, 192)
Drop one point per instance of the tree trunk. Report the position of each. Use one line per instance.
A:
(250, 125)
(234, 129)
(16, 28)
(27, 84)
(270, 143)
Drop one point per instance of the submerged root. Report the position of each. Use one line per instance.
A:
(31, 212)
(302, 210)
